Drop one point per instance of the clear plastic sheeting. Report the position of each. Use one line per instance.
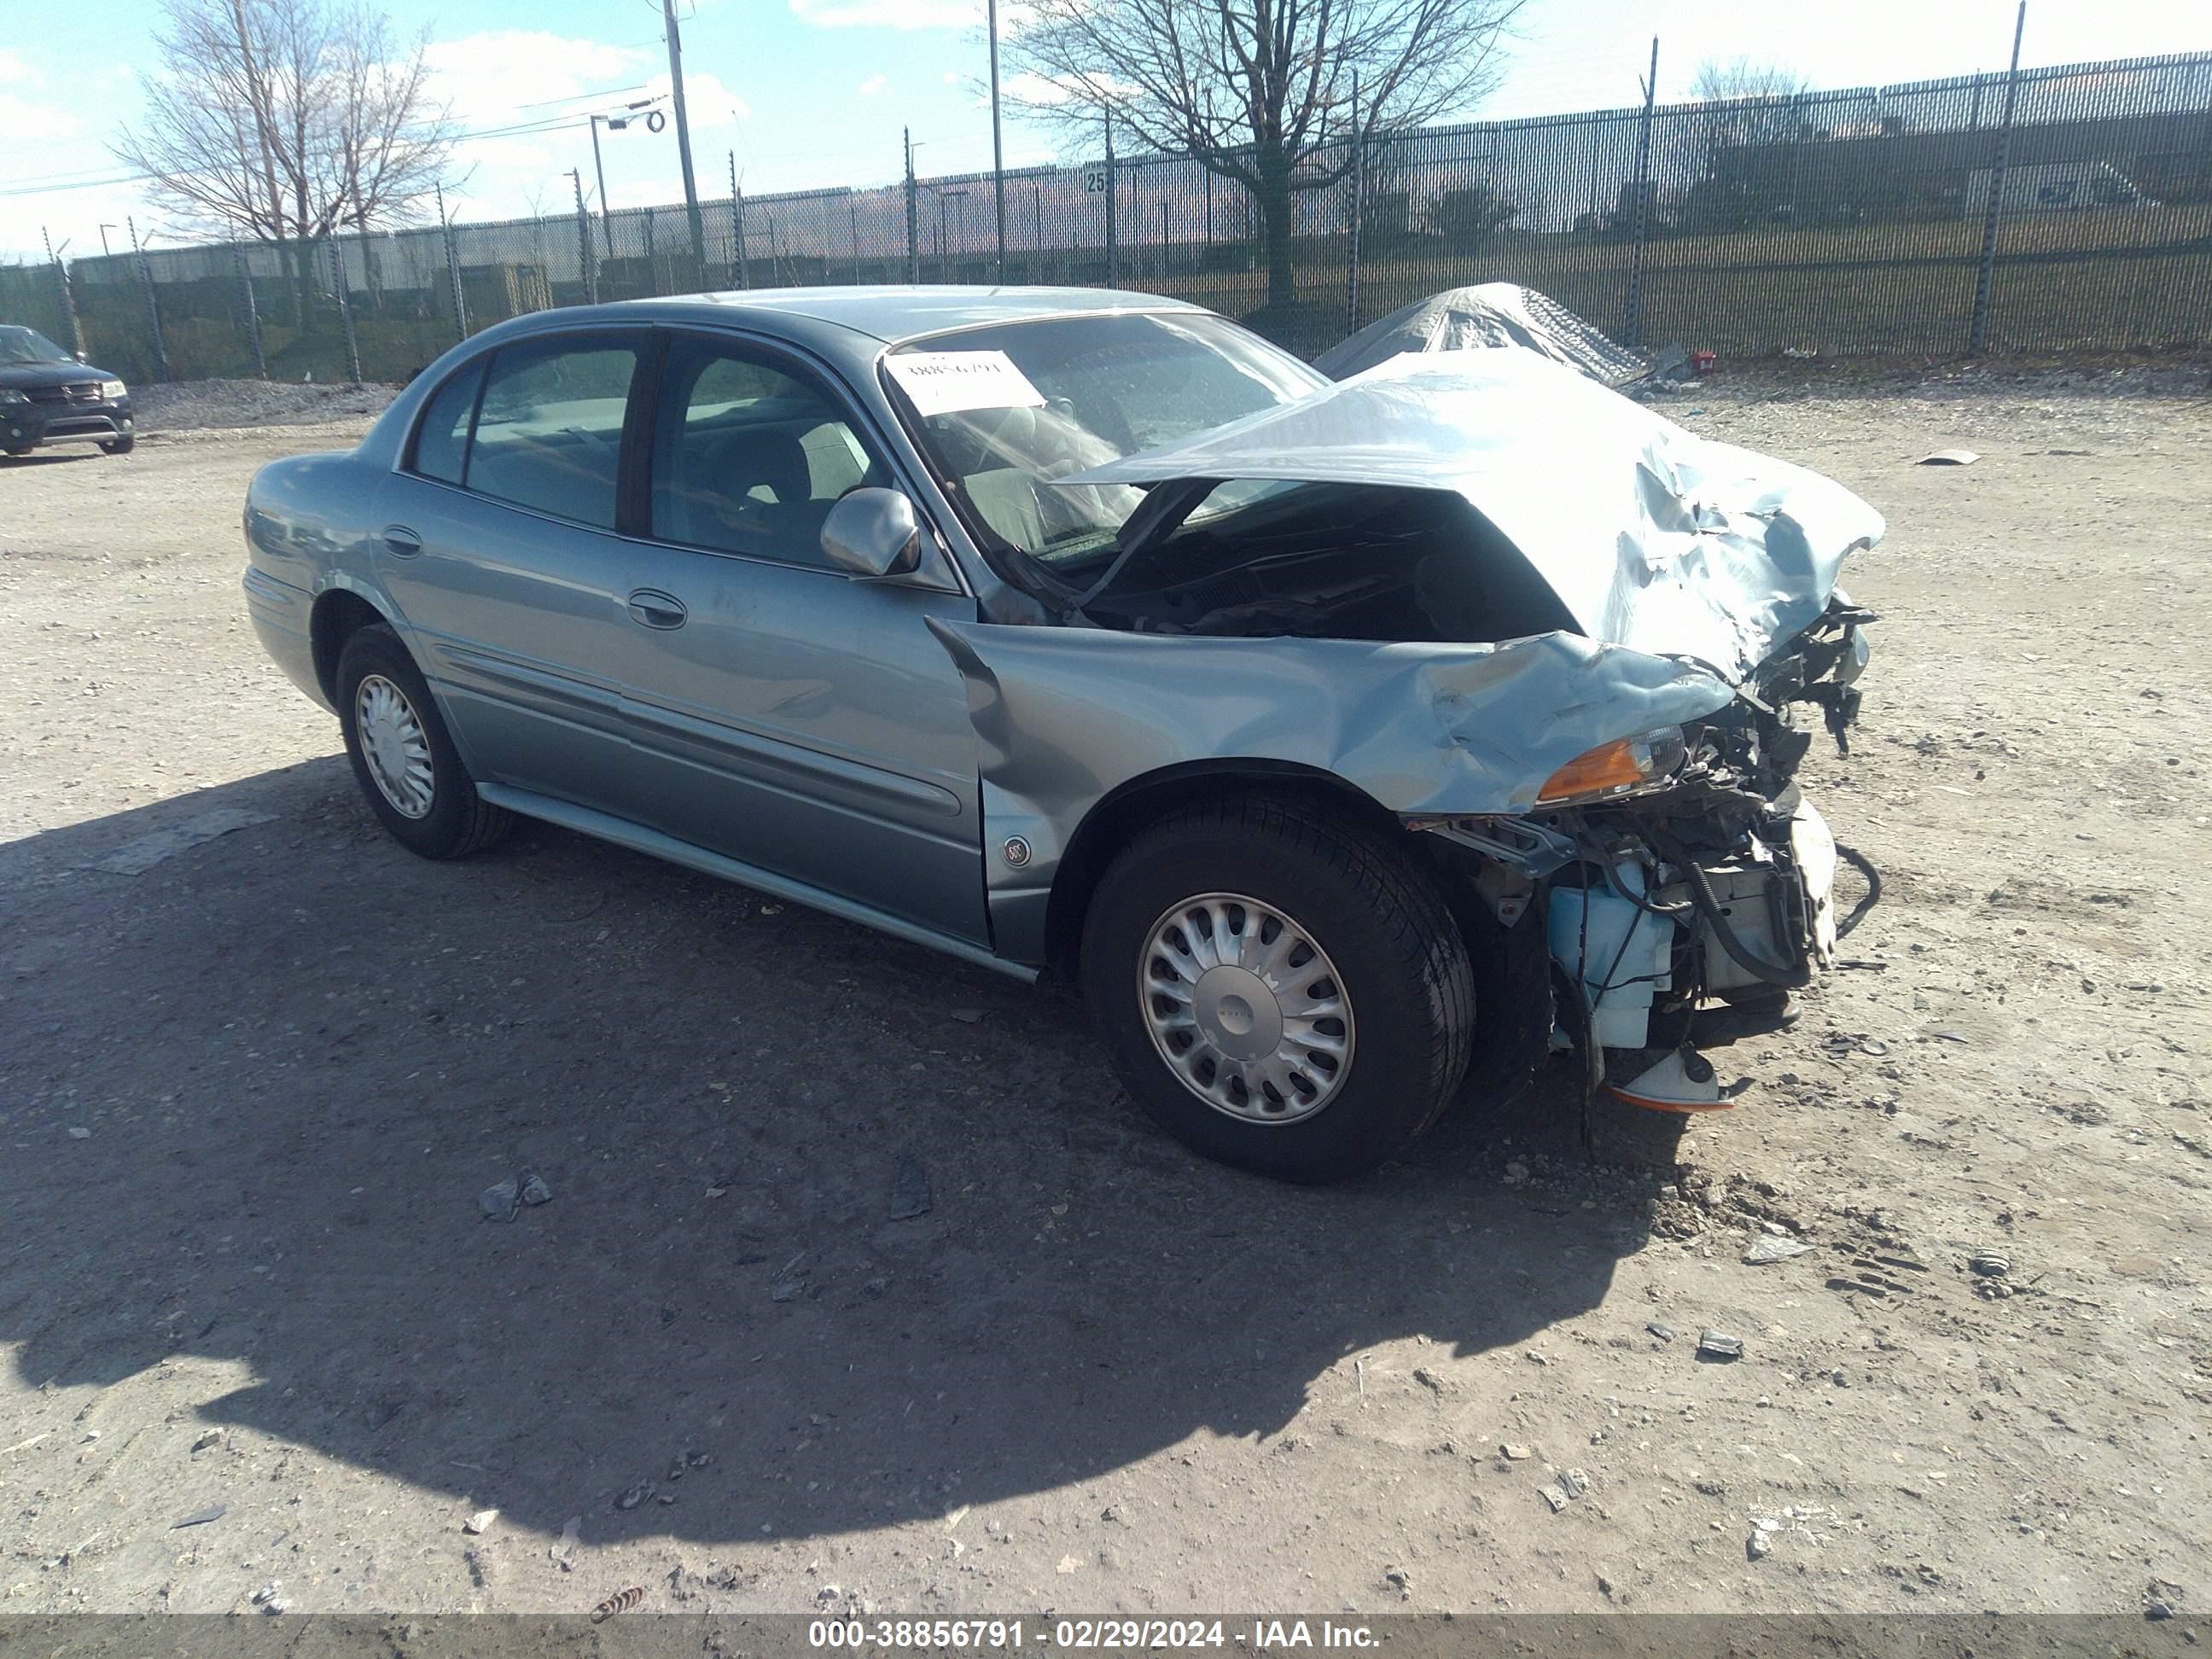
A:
(1652, 538)
(1487, 315)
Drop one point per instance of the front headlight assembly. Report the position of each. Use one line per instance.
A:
(113, 390)
(1626, 766)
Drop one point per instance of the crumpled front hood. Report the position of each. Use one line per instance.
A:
(1652, 537)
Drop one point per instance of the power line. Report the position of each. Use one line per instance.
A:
(55, 183)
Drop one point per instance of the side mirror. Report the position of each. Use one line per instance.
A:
(79, 355)
(873, 533)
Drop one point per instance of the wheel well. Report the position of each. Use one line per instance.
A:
(335, 617)
(1129, 809)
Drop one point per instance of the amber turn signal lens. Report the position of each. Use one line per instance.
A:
(1614, 768)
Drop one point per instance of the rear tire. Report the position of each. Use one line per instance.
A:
(1191, 919)
(403, 759)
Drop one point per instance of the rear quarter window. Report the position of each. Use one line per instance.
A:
(442, 438)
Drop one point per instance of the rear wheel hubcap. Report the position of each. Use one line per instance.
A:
(394, 745)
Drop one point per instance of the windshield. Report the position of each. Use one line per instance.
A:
(27, 345)
(1003, 412)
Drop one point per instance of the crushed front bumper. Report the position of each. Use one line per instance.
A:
(1687, 914)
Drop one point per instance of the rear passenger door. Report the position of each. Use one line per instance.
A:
(499, 548)
(786, 713)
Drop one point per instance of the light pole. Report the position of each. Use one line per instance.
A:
(104, 229)
(653, 121)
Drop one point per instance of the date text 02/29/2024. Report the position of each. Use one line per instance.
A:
(1166, 1635)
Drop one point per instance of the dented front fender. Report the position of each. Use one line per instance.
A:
(1066, 716)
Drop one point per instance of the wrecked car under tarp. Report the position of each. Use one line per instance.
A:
(1487, 314)
(1629, 771)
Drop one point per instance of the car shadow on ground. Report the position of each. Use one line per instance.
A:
(52, 458)
(300, 1055)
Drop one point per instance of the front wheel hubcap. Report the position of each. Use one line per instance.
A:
(1246, 1008)
(394, 745)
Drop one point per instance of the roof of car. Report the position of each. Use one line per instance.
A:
(894, 313)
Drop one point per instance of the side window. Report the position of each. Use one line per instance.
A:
(748, 458)
(548, 431)
(442, 440)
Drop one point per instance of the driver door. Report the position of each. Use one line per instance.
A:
(784, 713)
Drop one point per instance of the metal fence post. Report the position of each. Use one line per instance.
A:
(1358, 195)
(737, 227)
(584, 239)
(1113, 189)
(913, 244)
(1634, 321)
(252, 310)
(153, 305)
(1978, 333)
(68, 299)
(452, 268)
(345, 306)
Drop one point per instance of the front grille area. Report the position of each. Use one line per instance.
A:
(83, 392)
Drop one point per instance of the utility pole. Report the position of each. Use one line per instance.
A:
(600, 167)
(997, 151)
(683, 136)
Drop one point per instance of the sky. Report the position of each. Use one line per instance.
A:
(807, 93)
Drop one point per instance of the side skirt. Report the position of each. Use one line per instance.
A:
(605, 826)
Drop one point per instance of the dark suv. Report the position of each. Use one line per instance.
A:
(48, 397)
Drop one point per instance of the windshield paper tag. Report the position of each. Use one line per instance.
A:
(947, 382)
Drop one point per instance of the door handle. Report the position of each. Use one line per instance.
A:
(402, 540)
(655, 608)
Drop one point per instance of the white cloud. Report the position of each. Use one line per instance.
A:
(890, 14)
(22, 118)
(873, 84)
(13, 68)
(489, 76)
(708, 103)
(950, 77)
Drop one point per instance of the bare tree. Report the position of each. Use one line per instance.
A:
(280, 121)
(1750, 113)
(1752, 103)
(1260, 92)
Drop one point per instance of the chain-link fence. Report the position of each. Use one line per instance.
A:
(2063, 209)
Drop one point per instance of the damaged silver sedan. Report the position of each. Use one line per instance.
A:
(1342, 739)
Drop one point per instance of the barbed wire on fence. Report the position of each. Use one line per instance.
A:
(1838, 221)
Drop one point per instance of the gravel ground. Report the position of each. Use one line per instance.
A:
(199, 404)
(253, 1082)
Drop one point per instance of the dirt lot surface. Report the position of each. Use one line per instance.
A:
(250, 1086)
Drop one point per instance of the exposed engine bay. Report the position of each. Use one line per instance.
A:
(1332, 561)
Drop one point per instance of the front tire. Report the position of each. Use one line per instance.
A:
(1278, 989)
(119, 446)
(403, 759)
